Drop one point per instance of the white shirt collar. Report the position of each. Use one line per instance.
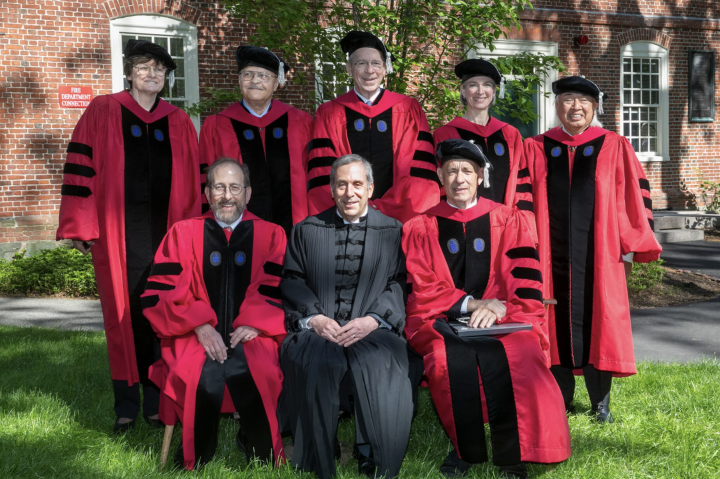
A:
(233, 225)
(563, 129)
(252, 112)
(372, 98)
(456, 207)
(357, 220)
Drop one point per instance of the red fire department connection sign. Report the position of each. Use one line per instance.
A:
(75, 96)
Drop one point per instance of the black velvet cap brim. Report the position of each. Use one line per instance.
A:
(136, 48)
(356, 40)
(477, 67)
(456, 149)
(247, 56)
(576, 84)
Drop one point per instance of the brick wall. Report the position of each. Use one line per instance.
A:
(45, 44)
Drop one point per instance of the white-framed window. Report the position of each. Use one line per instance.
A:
(178, 37)
(545, 108)
(644, 99)
(329, 74)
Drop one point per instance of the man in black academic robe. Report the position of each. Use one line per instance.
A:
(343, 291)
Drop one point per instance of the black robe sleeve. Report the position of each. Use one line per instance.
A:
(390, 304)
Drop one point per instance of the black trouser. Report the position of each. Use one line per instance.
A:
(147, 351)
(598, 383)
(235, 373)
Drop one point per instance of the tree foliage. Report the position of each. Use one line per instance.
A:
(425, 36)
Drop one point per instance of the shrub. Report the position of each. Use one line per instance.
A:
(61, 270)
(645, 275)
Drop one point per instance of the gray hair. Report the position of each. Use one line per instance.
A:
(594, 122)
(346, 160)
(210, 172)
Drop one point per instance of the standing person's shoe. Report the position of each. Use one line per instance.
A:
(453, 466)
(123, 427)
(602, 414)
(154, 423)
(516, 471)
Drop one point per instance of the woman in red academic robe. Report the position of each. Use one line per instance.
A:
(473, 257)
(501, 143)
(131, 172)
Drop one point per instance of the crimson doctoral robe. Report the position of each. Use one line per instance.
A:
(592, 205)
(274, 147)
(393, 135)
(502, 145)
(130, 174)
(486, 251)
(199, 277)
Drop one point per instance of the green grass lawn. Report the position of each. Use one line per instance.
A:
(56, 419)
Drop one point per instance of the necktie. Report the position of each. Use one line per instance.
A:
(228, 229)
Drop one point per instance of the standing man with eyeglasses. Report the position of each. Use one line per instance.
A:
(265, 134)
(388, 129)
(131, 173)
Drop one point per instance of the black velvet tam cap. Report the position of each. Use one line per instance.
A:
(456, 149)
(577, 84)
(249, 56)
(355, 40)
(136, 48)
(477, 67)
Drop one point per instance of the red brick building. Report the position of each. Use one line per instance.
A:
(637, 51)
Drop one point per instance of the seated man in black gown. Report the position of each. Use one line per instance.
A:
(343, 290)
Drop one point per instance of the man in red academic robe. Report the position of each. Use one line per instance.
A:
(388, 129)
(213, 298)
(131, 172)
(501, 143)
(265, 134)
(471, 257)
(592, 205)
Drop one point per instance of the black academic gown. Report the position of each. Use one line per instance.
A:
(378, 365)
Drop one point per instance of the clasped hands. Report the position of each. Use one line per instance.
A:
(485, 312)
(213, 342)
(346, 335)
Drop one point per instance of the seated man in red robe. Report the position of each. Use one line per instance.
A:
(472, 257)
(213, 299)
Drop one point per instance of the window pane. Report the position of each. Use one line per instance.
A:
(634, 129)
(653, 129)
(634, 142)
(654, 81)
(643, 145)
(655, 98)
(636, 64)
(644, 114)
(179, 89)
(176, 46)
(626, 97)
(646, 81)
(627, 81)
(652, 114)
(627, 64)
(125, 39)
(626, 114)
(163, 42)
(643, 129)
(636, 97)
(646, 66)
(655, 66)
(149, 39)
(626, 129)
(180, 71)
(636, 81)
(646, 97)
(634, 113)
(653, 144)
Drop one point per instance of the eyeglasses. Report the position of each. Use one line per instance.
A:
(264, 77)
(376, 65)
(159, 70)
(571, 101)
(219, 190)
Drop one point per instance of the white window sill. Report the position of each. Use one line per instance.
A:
(650, 159)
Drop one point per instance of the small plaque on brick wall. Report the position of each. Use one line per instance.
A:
(75, 96)
(701, 83)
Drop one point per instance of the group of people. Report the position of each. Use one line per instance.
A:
(290, 270)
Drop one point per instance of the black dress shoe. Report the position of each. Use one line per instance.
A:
(569, 408)
(367, 467)
(602, 414)
(154, 423)
(516, 471)
(338, 449)
(241, 442)
(122, 428)
(179, 457)
(453, 466)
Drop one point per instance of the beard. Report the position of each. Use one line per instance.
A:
(227, 216)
